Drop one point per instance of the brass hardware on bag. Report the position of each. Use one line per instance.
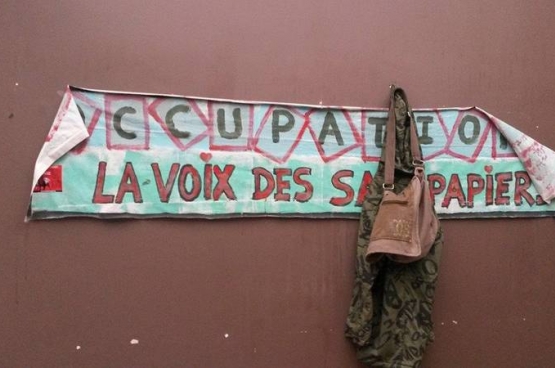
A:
(417, 162)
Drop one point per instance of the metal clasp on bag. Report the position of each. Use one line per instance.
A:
(388, 186)
(417, 163)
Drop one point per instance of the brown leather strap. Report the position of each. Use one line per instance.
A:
(390, 138)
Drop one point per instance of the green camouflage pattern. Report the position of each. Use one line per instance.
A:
(389, 318)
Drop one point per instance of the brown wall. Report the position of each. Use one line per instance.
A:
(279, 288)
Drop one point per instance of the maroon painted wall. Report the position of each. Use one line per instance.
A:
(277, 288)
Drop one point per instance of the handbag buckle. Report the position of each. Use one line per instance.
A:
(418, 163)
(388, 186)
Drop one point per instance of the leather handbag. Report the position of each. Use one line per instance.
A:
(406, 224)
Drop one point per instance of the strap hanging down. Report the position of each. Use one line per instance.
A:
(390, 140)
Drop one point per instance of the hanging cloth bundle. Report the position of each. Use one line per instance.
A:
(398, 251)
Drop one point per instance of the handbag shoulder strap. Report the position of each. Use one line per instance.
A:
(390, 146)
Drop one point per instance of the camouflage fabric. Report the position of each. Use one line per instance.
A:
(389, 318)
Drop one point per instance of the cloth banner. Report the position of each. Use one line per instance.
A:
(117, 154)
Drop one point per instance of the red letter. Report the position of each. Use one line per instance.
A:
(281, 184)
(195, 189)
(308, 188)
(454, 190)
(489, 190)
(438, 179)
(98, 196)
(223, 182)
(522, 183)
(129, 184)
(363, 189)
(502, 187)
(338, 184)
(474, 186)
(207, 181)
(262, 194)
(165, 190)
